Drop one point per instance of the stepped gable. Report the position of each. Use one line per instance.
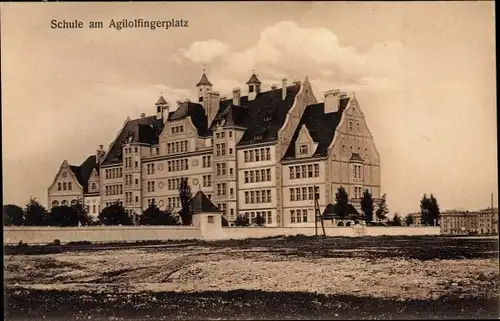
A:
(84, 171)
(197, 114)
(321, 127)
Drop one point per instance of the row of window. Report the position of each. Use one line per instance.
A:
(298, 216)
(128, 180)
(173, 202)
(111, 203)
(64, 186)
(95, 209)
(151, 186)
(63, 203)
(303, 150)
(128, 198)
(357, 172)
(177, 129)
(111, 173)
(268, 218)
(256, 155)
(221, 189)
(303, 193)
(207, 180)
(128, 163)
(220, 149)
(150, 168)
(304, 171)
(129, 150)
(258, 175)
(177, 147)
(358, 192)
(221, 169)
(178, 165)
(173, 183)
(357, 126)
(223, 134)
(263, 196)
(207, 161)
(114, 189)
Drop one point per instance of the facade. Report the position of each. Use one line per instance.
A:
(462, 222)
(266, 152)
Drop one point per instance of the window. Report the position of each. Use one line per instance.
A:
(135, 149)
(350, 125)
(59, 186)
(303, 150)
(55, 203)
(93, 186)
(230, 151)
(64, 186)
(210, 219)
(357, 125)
(230, 134)
(206, 161)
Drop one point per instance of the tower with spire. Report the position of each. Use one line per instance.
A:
(253, 86)
(203, 86)
(162, 109)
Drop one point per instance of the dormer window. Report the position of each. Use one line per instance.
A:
(267, 118)
(303, 150)
(250, 89)
(257, 137)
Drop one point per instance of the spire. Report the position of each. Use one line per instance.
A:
(253, 79)
(204, 80)
(161, 101)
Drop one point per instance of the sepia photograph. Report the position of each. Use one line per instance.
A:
(249, 160)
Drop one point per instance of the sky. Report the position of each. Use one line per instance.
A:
(423, 73)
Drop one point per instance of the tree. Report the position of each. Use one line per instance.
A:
(241, 220)
(62, 216)
(367, 206)
(342, 205)
(13, 215)
(429, 210)
(259, 220)
(409, 220)
(82, 215)
(396, 220)
(115, 214)
(154, 216)
(224, 221)
(35, 214)
(382, 209)
(185, 199)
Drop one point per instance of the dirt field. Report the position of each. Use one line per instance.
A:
(301, 277)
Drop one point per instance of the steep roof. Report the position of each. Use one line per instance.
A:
(142, 130)
(321, 127)
(84, 171)
(262, 117)
(161, 101)
(253, 80)
(197, 114)
(330, 212)
(201, 204)
(204, 81)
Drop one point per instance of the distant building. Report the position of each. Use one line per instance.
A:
(464, 222)
(267, 152)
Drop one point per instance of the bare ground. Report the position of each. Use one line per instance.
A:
(346, 277)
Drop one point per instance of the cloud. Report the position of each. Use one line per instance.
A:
(202, 51)
(288, 50)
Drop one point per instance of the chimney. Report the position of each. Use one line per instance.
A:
(143, 115)
(99, 154)
(332, 101)
(274, 87)
(212, 105)
(283, 87)
(343, 94)
(236, 96)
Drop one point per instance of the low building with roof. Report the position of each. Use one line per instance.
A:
(260, 151)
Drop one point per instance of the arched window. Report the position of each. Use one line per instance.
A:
(64, 186)
(73, 202)
(59, 187)
(55, 203)
(64, 203)
(69, 186)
